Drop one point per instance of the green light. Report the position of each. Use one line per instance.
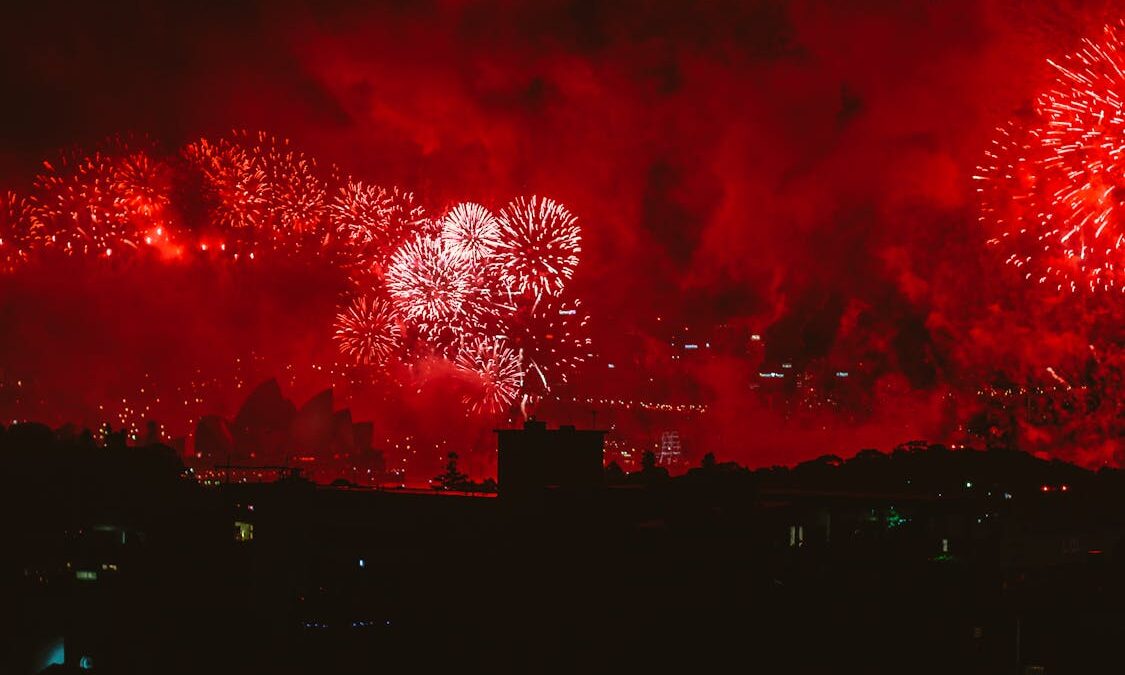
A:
(895, 519)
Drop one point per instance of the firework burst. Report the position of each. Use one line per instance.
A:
(233, 184)
(471, 230)
(403, 217)
(111, 199)
(1052, 186)
(295, 193)
(368, 331)
(430, 284)
(476, 290)
(376, 221)
(356, 211)
(18, 231)
(538, 246)
(499, 370)
(259, 190)
(142, 185)
(552, 336)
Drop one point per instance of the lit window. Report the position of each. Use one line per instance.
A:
(243, 531)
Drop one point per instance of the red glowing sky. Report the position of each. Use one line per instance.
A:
(802, 167)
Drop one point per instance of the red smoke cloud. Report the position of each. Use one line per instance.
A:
(801, 167)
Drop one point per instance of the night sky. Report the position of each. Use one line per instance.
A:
(799, 169)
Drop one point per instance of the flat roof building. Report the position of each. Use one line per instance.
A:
(536, 458)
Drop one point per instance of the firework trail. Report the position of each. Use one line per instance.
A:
(499, 370)
(471, 230)
(1058, 378)
(368, 331)
(538, 246)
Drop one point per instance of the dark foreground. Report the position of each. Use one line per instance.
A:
(136, 570)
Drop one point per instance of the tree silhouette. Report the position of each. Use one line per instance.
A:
(650, 471)
(614, 475)
(452, 479)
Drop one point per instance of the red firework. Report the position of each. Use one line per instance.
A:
(538, 246)
(356, 211)
(499, 370)
(234, 185)
(552, 337)
(376, 220)
(403, 217)
(471, 230)
(368, 331)
(425, 288)
(295, 192)
(112, 199)
(1052, 186)
(143, 190)
(142, 185)
(430, 285)
(259, 189)
(19, 231)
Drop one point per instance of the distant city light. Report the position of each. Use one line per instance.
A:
(841, 373)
